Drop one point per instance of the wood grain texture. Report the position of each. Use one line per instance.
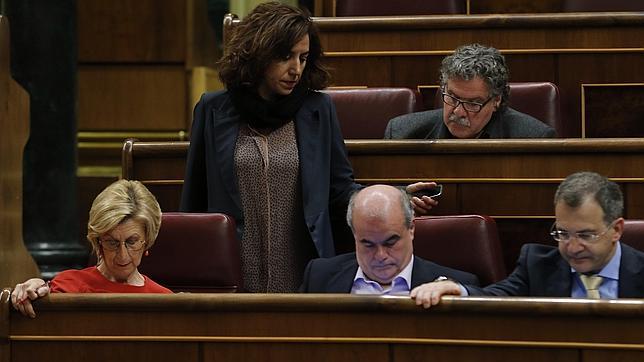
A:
(131, 31)
(16, 263)
(292, 327)
(130, 97)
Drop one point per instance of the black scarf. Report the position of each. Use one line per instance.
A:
(260, 113)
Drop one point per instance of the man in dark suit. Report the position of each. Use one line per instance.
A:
(474, 86)
(589, 262)
(381, 220)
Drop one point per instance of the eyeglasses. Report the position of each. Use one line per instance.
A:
(469, 106)
(585, 237)
(130, 244)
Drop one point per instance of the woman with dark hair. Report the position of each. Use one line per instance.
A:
(268, 150)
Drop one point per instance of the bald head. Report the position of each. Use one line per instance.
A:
(378, 202)
(380, 219)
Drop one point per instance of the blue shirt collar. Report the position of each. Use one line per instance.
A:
(611, 269)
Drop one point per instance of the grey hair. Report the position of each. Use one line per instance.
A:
(476, 60)
(405, 204)
(576, 188)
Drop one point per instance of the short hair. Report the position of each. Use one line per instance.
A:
(267, 34)
(405, 204)
(476, 60)
(578, 187)
(121, 201)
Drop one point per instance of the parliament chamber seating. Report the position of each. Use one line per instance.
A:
(194, 252)
(365, 112)
(634, 234)
(539, 99)
(407, 7)
(465, 242)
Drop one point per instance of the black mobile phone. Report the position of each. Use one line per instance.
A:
(432, 192)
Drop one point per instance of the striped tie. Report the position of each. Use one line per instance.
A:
(591, 283)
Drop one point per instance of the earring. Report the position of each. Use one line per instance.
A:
(146, 253)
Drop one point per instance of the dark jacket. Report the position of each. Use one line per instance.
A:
(542, 272)
(506, 123)
(326, 175)
(335, 275)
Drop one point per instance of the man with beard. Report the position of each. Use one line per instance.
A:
(475, 91)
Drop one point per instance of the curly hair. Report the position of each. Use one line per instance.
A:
(476, 60)
(267, 34)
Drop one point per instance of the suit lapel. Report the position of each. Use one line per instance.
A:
(631, 282)
(422, 273)
(342, 280)
(226, 130)
(557, 282)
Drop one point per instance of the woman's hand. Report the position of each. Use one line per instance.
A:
(421, 205)
(24, 293)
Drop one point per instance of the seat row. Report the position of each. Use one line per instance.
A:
(364, 112)
(200, 252)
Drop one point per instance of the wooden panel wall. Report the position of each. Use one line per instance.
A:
(327, 7)
(291, 327)
(15, 262)
(601, 118)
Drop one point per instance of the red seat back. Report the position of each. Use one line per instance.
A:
(194, 252)
(465, 242)
(365, 112)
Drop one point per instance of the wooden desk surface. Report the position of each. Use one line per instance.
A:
(291, 327)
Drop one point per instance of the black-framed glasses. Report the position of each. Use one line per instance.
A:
(469, 106)
(585, 237)
(130, 244)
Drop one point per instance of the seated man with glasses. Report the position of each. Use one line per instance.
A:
(474, 86)
(590, 261)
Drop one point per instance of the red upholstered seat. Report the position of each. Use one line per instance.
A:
(538, 99)
(195, 253)
(407, 7)
(365, 112)
(465, 242)
(634, 234)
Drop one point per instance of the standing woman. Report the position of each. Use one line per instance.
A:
(268, 150)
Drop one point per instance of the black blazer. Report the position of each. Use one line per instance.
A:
(326, 175)
(542, 272)
(335, 275)
(507, 123)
